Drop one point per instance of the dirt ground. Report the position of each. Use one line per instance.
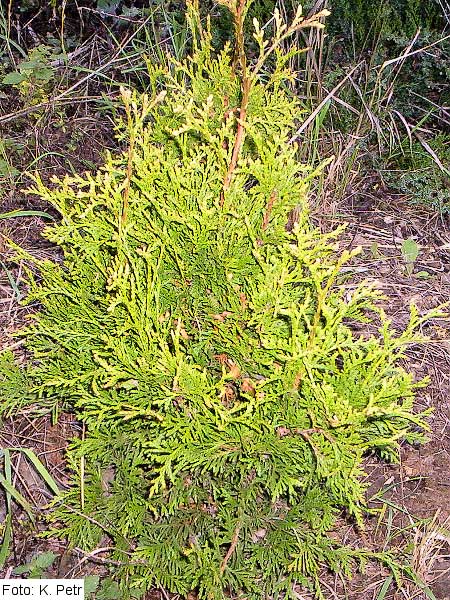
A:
(420, 485)
(413, 497)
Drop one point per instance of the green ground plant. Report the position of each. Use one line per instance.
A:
(362, 22)
(421, 172)
(201, 331)
(366, 21)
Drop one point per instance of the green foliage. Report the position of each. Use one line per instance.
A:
(419, 98)
(428, 187)
(363, 21)
(13, 384)
(410, 253)
(34, 74)
(421, 173)
(208, 348)
(8, 148)
(38, 565)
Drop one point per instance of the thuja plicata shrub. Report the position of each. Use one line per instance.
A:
(200, 330)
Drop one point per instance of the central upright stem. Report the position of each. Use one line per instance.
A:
(246, 86)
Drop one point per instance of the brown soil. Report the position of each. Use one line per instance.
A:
(420, 485)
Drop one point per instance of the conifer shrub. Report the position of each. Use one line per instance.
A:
(208, 347)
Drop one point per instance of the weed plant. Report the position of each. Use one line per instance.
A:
(422, 173)
(201, 331)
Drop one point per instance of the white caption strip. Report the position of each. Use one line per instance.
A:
(41, 589)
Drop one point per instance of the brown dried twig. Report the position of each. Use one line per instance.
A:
(231, 549)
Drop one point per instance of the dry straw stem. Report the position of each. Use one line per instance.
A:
(429, 544)
(407, 53)
(399, 60)
(373, 116)
(320, 106)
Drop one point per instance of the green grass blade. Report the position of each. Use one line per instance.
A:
(10, 489)
(7, 533)
(6, 541)
(385, 588)
(421, 584)
(11, 42)
(26, 213)
(8, 475)
(11, 280)
(41, 470)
